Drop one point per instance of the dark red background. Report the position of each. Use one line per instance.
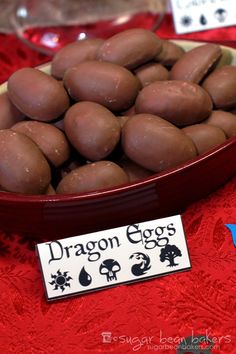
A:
(200, 301)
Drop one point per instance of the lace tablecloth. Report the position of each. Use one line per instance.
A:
(145, 317)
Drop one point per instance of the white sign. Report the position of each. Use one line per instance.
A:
(199, 15)
(108, 258)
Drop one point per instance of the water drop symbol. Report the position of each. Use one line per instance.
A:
(203, 20)
(85, 279)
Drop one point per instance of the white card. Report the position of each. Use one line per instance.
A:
(111, 257)
(199, 15)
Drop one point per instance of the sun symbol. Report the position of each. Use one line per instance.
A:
(186, 21)
(60, 280)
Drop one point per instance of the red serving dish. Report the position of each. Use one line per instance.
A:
(161, 195)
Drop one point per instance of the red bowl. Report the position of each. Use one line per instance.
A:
(161, 195)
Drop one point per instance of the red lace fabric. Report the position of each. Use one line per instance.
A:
(140, 317)
(15, 55)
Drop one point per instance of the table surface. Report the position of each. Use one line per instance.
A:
(145, 317)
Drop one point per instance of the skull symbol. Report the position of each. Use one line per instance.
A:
(109, 267)
(221, 15)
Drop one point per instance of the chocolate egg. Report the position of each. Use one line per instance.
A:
(51, 141)
(92, 129)
(130, 48)
(224, 120)
(73, 54)
(92, 177)
(134, 172)
(221, 85)
(151, 72)
(50, 190)
(129, 112)
(154, 143)
(108, 84)
(36, 94)
(170, 53)
(204, 136)
(196, 63)
(180, 102)
(9, 114)
(68, 167)
(23, 168)
(59, 124)
(122, 120)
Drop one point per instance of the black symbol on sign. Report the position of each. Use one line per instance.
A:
(220, 15)
(60, 280)
(186, 21)
(203, 20)
(109, 267)
(169, 253)
(85, 279)
(195, 345)
(143, 266)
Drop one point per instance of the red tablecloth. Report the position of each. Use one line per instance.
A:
(145, 317)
